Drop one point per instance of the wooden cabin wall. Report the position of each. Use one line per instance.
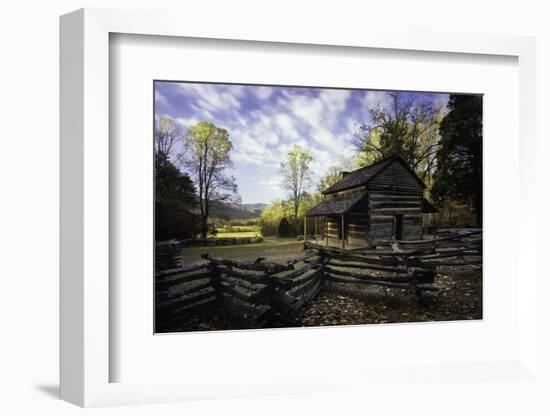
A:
(356, 229)
(413, 226)
(394, 191)
(384, 205)
(333, 224)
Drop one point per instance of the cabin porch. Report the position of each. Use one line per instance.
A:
(345, 231)
(339, 221)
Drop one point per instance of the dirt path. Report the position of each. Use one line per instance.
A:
(272, 249)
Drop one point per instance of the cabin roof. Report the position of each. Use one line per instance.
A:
(363, 176)
(339, 204)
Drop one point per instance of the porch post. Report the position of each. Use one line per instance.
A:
(326, 230)
(343, 232)
(315, 229)
(305, 227)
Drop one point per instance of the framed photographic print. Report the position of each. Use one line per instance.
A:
(280, 206)
(274, 213)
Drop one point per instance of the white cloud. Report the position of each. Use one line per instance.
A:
(309, 109)
(213, 98)
(203, 113)
(242, 121)
(235, 90)
(271, 184)
(373, 99)
(263, 93)
(231, 100)
(254, 149)
(285, 123)
(323, 136)
(160, 98)
(263, 137)
(335, 100)
(186, 122)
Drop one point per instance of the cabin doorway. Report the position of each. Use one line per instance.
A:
(398, 227)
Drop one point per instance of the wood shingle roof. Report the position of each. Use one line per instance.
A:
(337, 205)
(361, 177)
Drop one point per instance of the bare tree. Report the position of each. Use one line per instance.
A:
(296, 176)
(405, 126)
(206, 158)
(167, 134)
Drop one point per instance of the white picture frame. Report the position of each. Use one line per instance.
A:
(85, 211)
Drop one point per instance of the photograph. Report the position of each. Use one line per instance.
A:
(284, 206)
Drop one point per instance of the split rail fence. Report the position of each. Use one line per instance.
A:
(272, 293)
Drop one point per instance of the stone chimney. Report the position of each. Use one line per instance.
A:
(344, 173)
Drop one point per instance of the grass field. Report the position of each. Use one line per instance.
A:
(237, 234)
(236, 231)
(274, 248)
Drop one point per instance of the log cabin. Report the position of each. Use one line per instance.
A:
(382, 201)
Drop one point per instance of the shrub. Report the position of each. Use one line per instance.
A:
(285, 230)
(173, 221)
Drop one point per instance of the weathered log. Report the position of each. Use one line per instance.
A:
(164, 284)
(365, 265)
(258, 265)
(306, 277)
(306, 258)
(236, 281)
(307, 297)
(192, 307)
(373, 282)
(193, 289)
(458, 263)
(264, 279)
(292, 275)
(182, 301)
(178, 270)
(410, 277)
(434, 240)
(238, 292)
(240, 309)
(453, 253)
(283, 300)
(305, 285)
(336, 271)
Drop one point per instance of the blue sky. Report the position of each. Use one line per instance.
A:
(265, 122)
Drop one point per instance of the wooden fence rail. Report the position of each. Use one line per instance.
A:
(272, 293)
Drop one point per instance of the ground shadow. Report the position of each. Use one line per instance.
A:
(51, 390)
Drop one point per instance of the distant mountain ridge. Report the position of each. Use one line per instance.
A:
(236, 211)
(258, 205)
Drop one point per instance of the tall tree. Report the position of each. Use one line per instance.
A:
(459, 160)
(171, 184)
(207, 157)
(296, 177)
(406, 126)
(334, 173)
(175, 194)
(333, 176)
(167, 134)
(175, 198)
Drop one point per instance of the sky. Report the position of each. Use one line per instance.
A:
(264, 122)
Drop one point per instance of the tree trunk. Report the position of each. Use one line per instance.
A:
(204, 227)
(297, 225)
